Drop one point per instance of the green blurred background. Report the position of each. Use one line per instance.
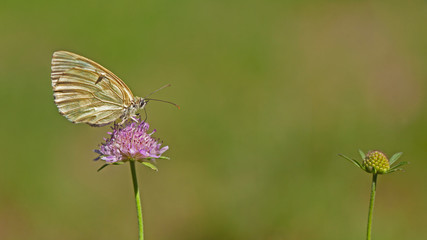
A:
(271, 92)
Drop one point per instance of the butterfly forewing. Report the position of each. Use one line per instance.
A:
(86, 92)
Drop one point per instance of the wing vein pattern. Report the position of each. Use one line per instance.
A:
(80, 97)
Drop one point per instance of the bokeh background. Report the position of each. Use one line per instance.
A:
(270, 91)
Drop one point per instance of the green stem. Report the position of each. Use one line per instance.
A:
(371, 206)
(137, 200)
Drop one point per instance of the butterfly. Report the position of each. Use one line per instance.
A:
(86, 92)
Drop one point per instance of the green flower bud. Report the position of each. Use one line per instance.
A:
(376, 161)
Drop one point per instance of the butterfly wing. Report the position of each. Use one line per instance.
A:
(86, 92)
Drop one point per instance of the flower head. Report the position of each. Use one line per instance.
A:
(376, 162)
(131, 142)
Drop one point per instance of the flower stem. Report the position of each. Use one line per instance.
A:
(371, 206)
(137, 200)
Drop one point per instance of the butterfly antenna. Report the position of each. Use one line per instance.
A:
(165, 86)
(159, 100)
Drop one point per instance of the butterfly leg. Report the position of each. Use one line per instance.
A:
(134, 119)
(124, 119)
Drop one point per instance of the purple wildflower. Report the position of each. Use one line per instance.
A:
(130, 142)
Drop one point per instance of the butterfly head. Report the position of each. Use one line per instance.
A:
(141, 102)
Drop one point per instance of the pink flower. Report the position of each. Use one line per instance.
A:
(130, 142)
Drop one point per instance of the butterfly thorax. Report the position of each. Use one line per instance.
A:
(130, 112)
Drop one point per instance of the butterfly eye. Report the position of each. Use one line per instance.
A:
(142, 103)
